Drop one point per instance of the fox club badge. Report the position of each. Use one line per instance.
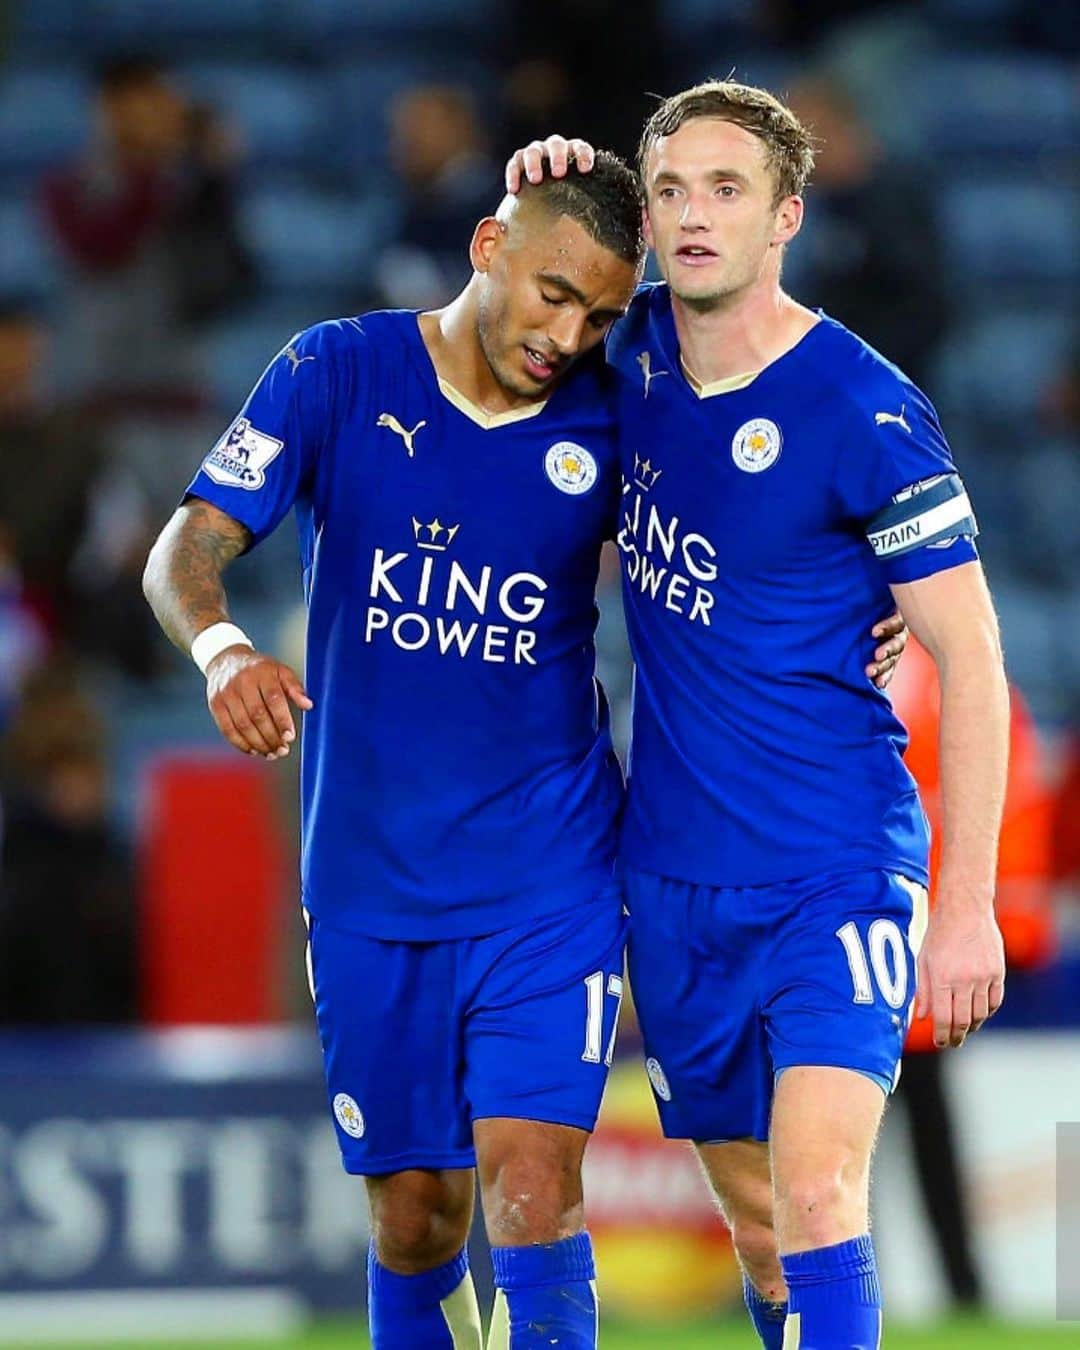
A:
(756, 445)
(570, 467)
(658, 1079)
(349, 1115)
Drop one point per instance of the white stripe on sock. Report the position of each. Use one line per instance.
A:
(462, 1314)
(499, 1335)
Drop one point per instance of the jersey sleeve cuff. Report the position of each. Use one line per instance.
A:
(926, 561)
(239, 506)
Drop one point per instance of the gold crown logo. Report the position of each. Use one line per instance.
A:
(435, 537)
(645, 475)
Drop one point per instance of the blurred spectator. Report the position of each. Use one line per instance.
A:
(449, 182)
(110, 621)
(868, 256)
(67, 937)
(586, 70)
(1061, 398)
(73, 532)
(49, 458)
(1023, 904)
(23, 639)
(212, 268)
(145, 221)
(1048, 481)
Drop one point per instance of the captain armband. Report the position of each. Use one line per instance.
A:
(931, 513)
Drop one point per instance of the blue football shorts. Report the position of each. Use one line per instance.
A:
(735, 985)
(420, 1039)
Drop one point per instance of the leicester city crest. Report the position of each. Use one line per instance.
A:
(570, 467)
(756, 445)
(348, 1115)
(658, 1079)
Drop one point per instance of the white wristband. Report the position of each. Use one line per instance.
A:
(212, 642)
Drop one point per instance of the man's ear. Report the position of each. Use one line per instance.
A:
(646, 228)
(789, 219)
(488, 238)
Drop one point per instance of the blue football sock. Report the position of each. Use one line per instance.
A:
(834, 1299)
(436, 1309)
(768, 1318)
(549, 1294)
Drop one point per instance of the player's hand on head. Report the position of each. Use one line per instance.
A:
(248, 694)
(893, 633)
(961, 971)
(552, 156)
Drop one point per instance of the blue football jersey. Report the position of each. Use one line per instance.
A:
(457, 771)
(760, 528)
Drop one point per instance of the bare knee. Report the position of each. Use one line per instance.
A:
(822, 1207)
(824, 1124)
(419, 1219)
(530, 1181)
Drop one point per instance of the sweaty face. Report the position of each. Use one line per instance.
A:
(712, 221)
(549, 295)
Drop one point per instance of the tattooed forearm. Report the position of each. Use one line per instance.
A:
(182, 580)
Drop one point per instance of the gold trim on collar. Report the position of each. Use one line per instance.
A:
(488, 421)
(728, 386)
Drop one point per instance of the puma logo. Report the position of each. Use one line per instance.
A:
(294, 359)
(645, 361)
(882, 417)
(390, 421)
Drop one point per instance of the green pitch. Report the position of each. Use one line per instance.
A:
(966, 1334)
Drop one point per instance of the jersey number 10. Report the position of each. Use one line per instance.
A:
(884, 942)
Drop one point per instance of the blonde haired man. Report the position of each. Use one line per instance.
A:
(777, 486)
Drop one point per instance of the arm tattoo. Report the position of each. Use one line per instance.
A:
(182, 580)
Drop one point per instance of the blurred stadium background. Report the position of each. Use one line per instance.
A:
(182, 187)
